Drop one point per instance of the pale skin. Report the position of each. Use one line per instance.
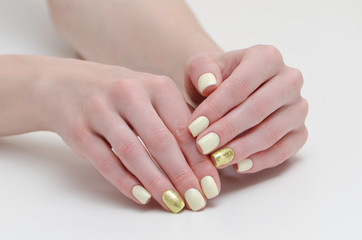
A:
(255, 107)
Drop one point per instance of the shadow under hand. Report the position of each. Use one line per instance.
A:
(232, 181)
(69, 170)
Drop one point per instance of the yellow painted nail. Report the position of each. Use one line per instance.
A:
(206, 80)
(209, 187)
(141, 194)
(245, 165)
(173, 201)
(223, 156)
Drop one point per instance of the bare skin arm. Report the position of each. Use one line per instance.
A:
(151, 36)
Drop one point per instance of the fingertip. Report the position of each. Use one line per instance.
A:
(195, 200)
(173, 201)
(204, 72)
(198, 125)
(141, 194)
(206, 83)
(209, 187)
(244, 165)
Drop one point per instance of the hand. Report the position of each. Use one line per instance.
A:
(253, 114)
(96, 107)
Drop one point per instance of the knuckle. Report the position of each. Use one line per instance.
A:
(155, 182)
(239, 87)
(227, 130)
(304, 106)
(304, 134)
(79, 133)
(193, 64)
(128, 150)
(203, 164)
(296, 78)
(123, 182)
(163, 83)
(119, 183)
(94, 104)
(258, 108)
(271, 135)
(213, 108)
(284, 154)
(119, 85)
(104, 166)
(125, 90)
(182, 175)
(182, 134)
(161, 138)
(270, 54)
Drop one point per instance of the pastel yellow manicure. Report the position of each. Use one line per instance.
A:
(209, 187)
(209, 142)
(223, 156)
(206, 80)
(173, 201)
(141, 194)
(198, 125)
(245, 165)
(194, 199)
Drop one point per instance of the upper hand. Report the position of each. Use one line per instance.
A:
(251, 110)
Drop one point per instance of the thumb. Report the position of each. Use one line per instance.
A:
(203, 74)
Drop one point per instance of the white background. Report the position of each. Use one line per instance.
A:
(47, 192)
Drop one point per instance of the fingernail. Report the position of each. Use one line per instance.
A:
(173, 201)
(198, 125)
(209, 142)
(245, 165)
(206, 80)
(141, 194)
(223, 156)
(209, 187)
(194, 199)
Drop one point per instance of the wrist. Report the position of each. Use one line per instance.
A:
(22, 111)
(44, 92)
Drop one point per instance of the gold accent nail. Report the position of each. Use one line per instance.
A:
(173, 201)
(223, 156)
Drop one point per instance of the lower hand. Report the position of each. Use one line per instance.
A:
(96, 107)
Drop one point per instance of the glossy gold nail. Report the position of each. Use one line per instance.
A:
(223, 156)
(173, 201)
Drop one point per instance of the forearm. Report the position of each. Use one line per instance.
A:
(152, 36)
(21, 101)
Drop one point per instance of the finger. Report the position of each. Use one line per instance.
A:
(277, 154)
(165, 150)
(282, 90)
(136, 159)
(256, 67)
(176, 121)
(107, 163)
(203, 74)
(263, 136)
